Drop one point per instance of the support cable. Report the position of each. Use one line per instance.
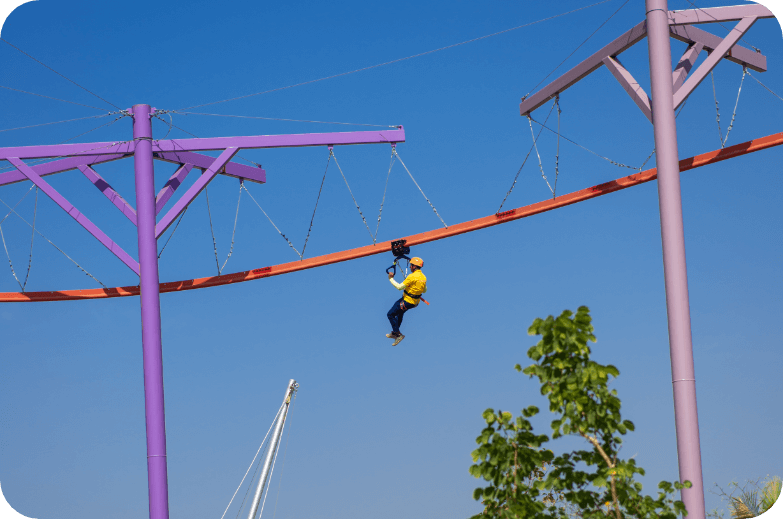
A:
(172, 232)
(52, 244)
(513, 184)
(273, 223)
(50, 97)
(62, 76)
(417, 185)
(380, 212)
(399, 59)
(234, 232)
(717, 109)
(351, 192)
(57, 122)
(312, 218)
(252, 463)
(540, 166)
(197, 137)
(211, 230)
(765, 86)
(734, 114)
(2, 236)
(286, 120)
(32, 239)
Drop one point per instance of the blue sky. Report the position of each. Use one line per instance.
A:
(376, 431)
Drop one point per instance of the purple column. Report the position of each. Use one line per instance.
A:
(674, 268)
(150, 314)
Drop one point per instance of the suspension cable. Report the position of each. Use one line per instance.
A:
(736, 103)
(57, 122)
(717, 109)
(173, 231)
(286, 120)
(211, 230)
(312, 218)
(50, 97)
(765, 86)
(351, 192)
(391, 163)
(514, 183)
(540, 165)
(52, 244)
(394, 150)
(62, 76)
(557, 154)
(234, 232)
(270, 221)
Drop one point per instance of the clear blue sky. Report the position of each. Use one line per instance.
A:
(377, 431)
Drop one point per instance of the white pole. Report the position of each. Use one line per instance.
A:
(270, 454)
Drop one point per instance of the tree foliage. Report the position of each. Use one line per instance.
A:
(526, 479)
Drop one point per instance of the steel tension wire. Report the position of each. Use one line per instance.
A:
(380, 212)
(270, 221)
(234, 232)
(312, 219)
(214, 243)
(353, 197)
(420, 190)
(535, 145)
(736, 103)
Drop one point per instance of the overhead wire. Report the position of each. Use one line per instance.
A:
(351, 192)
(396, 60)
(55, 98)
(578, 47)
(765, 86)
(273, 223)
(59, 74)
(312, 218)
(56, 122)
(380, 212)
(417, 185)
(287, 120)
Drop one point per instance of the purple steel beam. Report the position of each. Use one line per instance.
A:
(685, 65)
(630, 85)
(194, 190)
(217, 143)
(203, 162)
(675, 271)
(559, 85)
(74, 213)
(110, 193)
(739, 54)
(157, 471)
(173, 183)
(718, 14)
(58, 166)
(712, 60)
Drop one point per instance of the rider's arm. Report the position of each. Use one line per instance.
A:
(398, 286)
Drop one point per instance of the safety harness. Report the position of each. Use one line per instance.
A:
(400, 251)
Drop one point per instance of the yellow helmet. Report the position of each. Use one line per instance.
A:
(418, 262)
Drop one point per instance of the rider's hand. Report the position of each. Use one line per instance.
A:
(390, 275)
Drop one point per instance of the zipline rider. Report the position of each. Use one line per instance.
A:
(413, 287)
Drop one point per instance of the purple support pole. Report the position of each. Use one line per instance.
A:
(150, 314)
(674, 268)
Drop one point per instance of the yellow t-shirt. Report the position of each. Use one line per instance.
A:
(415, 284)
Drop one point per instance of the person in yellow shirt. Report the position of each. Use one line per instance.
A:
(413, 287)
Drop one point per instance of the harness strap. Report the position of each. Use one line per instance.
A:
(411, 295)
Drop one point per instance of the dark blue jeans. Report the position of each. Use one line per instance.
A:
(395, 314)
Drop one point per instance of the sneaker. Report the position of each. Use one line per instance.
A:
(399, 338)
(391, 336)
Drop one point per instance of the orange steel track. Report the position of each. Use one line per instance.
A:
(416, 239)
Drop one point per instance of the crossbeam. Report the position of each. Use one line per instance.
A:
(203, 162)
(718, 14)
(172, 185)
(109, 192)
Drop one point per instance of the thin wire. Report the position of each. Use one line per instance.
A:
(214, 243)
(172, 232)
(396, 60)
(524, 161)
(234, 232)
(353, 197)
(62, 76)
(252, 462)
(420, 190)
(736, 103)
(540, 165)
(55, 122)
(32, 239)
(391, 163)
(285, 454)
(719, 23)
(312, 218)
(17, 204)
(288, 120)
(197, 137)
(53, 245)
(273, 223)
(717, 109)
(578, 47)
(50, 97)
(765, 86)
(10, 263)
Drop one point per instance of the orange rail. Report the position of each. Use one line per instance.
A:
(416, 239)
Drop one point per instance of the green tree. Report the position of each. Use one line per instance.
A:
(526, 479)
(750, 499)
